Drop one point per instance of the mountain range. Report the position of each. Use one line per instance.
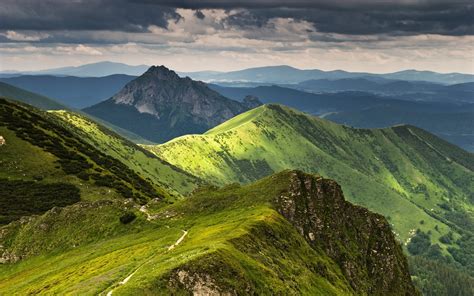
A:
(407, 90)
(271, 74)
(286, 74)
(99, 69)
(98, 213)
(75, 92)
(241, 196)
(159, 105)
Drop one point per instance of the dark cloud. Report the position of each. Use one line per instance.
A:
(199, 14)
(355, 17)
(454, 21)
(115, 15)
(319, 4)
(358, 17)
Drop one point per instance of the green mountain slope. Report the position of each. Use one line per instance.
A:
(415, 179)
(47, 161)
(135, 157)
(282, 235)
(24, 96)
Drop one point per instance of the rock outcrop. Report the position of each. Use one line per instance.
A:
(323, 237)
(359, 241)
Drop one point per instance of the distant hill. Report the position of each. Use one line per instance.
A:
(24, 96)
(455, 127)
(406, 90)
(75, 92)
(443, 78)
(452, 121)
(304, 101)
(369, 85)
(159, 105)
(88, 70)
(286, 74)
(468, 86)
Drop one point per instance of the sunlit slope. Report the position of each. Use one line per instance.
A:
(135, 157)
(403, 173)
(45, 164)
(235, 240)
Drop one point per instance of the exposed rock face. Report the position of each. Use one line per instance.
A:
(199, 284)
(359, 241)
(251, 102)
(159, 105)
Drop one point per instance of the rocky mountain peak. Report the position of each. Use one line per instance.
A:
(159, 105)
(161, 73)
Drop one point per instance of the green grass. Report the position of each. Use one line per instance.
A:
(410, 176)
(140, 160)
(237, 241)
(51, 153)
(392, 171)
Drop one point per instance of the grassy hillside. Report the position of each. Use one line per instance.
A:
(415, 179)
(237, 239)
(135, 157)
(24, 96)
(48, 162)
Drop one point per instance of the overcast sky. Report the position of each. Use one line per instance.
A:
(189, 35)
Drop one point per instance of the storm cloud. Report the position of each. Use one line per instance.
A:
(358, 17)
(113, 15)
(358, 35)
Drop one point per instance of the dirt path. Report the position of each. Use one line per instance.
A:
(125, 280)
(178, 241)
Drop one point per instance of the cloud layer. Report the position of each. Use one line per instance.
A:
(386, 34)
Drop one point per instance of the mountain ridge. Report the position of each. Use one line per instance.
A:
(287, 74)
(98, 69)
(252, 145)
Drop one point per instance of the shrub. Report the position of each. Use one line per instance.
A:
(447, 238)
(419, 244)
(127, 217)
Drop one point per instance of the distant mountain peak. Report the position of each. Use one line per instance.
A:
(162, 73)
(159, 105)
